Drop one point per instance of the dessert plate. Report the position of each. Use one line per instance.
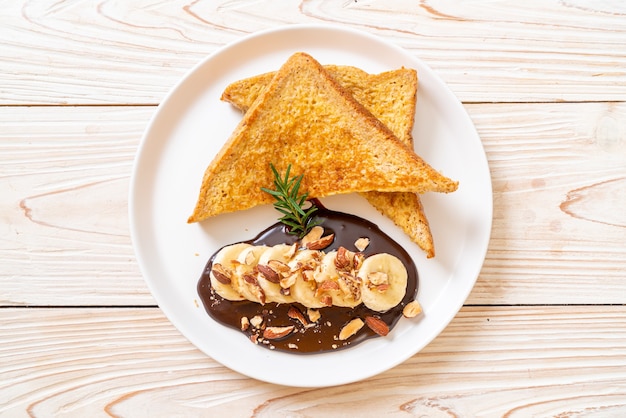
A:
(191, 125)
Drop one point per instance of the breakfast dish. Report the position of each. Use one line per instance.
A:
(190, 127)
(304, 117)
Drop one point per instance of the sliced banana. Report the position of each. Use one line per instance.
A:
(270, 258)
(384, 281)
(226, 257)
(282, 275)
(247, 260)
(304, 288)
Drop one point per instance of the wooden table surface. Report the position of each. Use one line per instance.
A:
(542, 334)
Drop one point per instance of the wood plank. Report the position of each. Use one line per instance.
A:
(569, 249)
(102, 52)
(513, 362)
(559, 180)
(65, 177)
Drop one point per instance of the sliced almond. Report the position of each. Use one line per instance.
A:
(274, 333)
(377, 278)
(357, 261)
(377, 325)
(269, 273)
(326, 286)
(288, 281)
(327, 300)
(250, 258)
(313, 235)
(313, 314)
(412, 309)
(343, 259)
(221, 273)
(260, 294)
(308, 275)
(256, 321)
(320, 244)
(382, 288)
(251, 280)
(279, 267)
(291, 251)
(350, 329)
(362, 243)
(245, 323)
(295, 313)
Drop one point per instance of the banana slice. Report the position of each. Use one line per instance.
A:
(270, 264)
(247, 284)
(346, 291)
(303, 290)
(225, 266)
(384, 279)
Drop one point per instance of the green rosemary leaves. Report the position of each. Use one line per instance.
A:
(299, 219)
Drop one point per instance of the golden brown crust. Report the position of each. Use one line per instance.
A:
(306, 119)
(391, 97)
(407, 211)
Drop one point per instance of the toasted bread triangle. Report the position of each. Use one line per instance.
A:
(390, 96)
(306, 119)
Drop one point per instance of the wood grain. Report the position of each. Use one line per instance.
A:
(65, 199)
(65, 175)
(66, 52)
(558, 174)
(504, 362)
(543, 81)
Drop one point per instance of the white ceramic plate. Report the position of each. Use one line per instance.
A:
(189, 128)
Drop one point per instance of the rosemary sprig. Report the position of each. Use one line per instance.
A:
(299, 219)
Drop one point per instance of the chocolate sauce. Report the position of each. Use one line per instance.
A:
(322, 335)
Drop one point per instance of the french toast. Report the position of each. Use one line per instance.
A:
(305, 119)
(390, 96)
